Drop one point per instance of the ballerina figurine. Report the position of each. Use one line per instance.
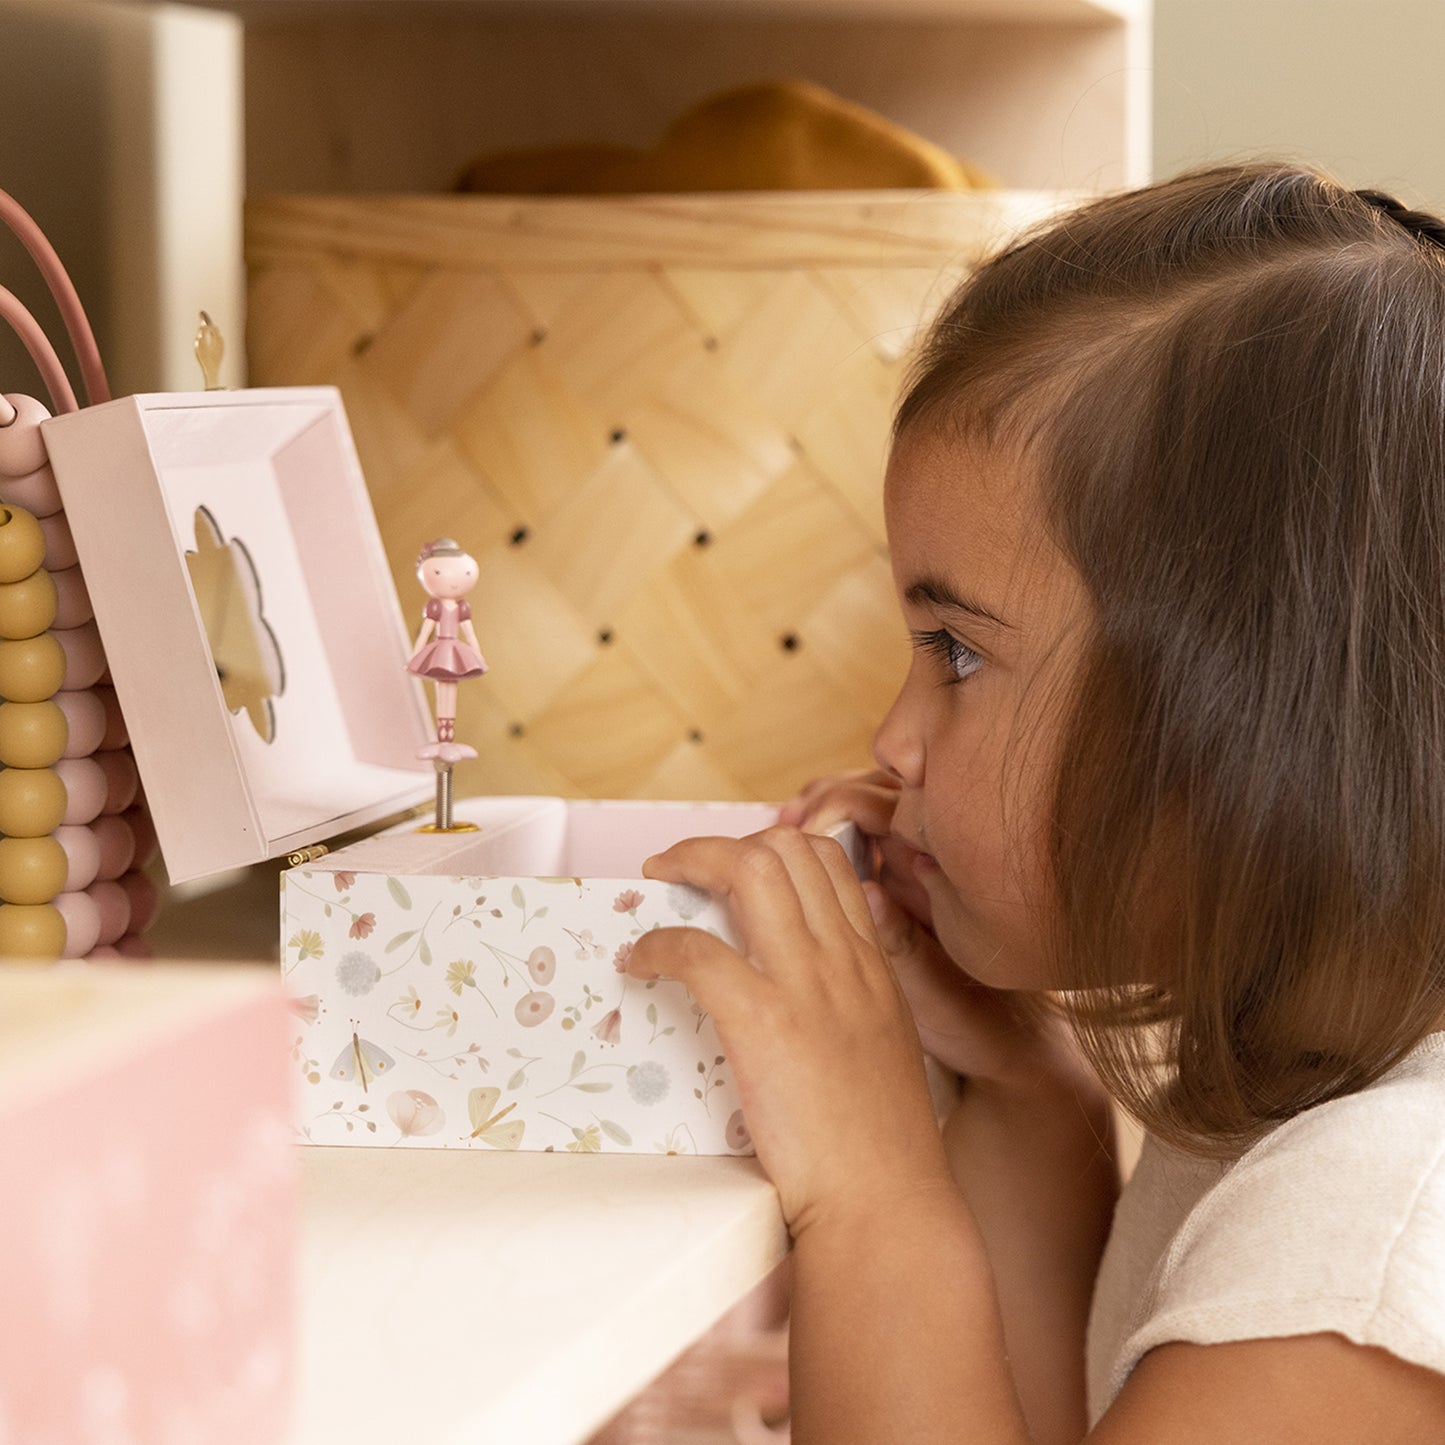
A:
(447, 574)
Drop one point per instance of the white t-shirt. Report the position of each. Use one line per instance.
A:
(1335, 1221)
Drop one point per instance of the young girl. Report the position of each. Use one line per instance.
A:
(1166, 507)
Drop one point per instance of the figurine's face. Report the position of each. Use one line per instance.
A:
(448, 576)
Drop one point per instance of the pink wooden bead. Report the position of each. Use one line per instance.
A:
(84, 656)
(115, 843)
(22, 448)
(114, 905)
(82, 923)
(60, 550)
(133, 947)
(85, 714)
(104, 953)
(145, 900)
(35, 491)
(84, 788)
(83, 854)
(72, 600)
(121, 779)
(147, 845)
(116, 733)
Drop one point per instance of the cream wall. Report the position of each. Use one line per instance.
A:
(1353, 85)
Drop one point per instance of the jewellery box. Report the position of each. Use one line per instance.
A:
(450, 990)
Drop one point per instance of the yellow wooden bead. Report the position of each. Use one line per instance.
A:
(32, 802)
(32, 734)
(32, 870)
(32, 669)
(22, 544)
(28, 607)
(31, 930)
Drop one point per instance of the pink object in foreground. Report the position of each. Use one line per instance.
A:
(150, 1212)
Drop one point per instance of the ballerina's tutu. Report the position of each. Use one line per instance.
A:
(447, 659)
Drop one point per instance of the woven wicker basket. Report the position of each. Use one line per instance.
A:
(660, 425)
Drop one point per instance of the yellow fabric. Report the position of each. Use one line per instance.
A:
(780, 135)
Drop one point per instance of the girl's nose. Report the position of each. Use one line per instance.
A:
(897, 745)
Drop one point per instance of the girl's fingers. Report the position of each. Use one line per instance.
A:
(781, 895)
(864, 798)
(750, 876)
(867, 801)
(720, 980)
(845, 883)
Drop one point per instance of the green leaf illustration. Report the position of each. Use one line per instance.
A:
(578, 1060)
(403, 898)
(425, 952)
(541, 912)
(517, 1079)
(399, 940)
(517, 897)
(595, 1086)
(652, 1013)
(615, 1132)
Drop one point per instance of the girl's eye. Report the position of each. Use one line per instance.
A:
(960, 659)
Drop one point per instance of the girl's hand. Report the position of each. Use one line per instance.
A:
(818, 1032)
(983, 1033)
(866, 799)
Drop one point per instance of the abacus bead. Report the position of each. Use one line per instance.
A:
(132, 945)
(28, 607)
(114, 905)
(83, 855)
(22, 448)
(31, 930)
(145, 900)
(35, 491)
(32, 802)
(82, 923)
(60, 550)
(84, 788)
(147, 845)
(116, 733)
(32, 669)
(32, 870)
(32, 734)
(72, 600)
(122, 781)
(22, 544)
(116, 844)
(84, 655)
(85, 717)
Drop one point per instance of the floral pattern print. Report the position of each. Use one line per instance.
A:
(456, 972)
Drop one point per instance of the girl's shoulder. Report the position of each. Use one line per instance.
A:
(1355, 1170)
(1334, 1222)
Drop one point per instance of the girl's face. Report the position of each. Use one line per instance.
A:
(449, 576)
(997, 616)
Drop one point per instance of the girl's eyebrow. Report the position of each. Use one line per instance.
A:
(938, 594)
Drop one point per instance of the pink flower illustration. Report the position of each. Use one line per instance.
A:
(534, 1008)
(362, 925)
(343, 881)
(736, 1133)
(619, 959)
(306, 1008)
(628, 901)
(415, 1113)
(608, 1029)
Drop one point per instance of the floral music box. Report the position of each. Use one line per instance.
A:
(451, 989)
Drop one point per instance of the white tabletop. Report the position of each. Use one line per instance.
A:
(451, 1296)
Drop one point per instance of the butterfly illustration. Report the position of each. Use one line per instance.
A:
(487, 1126)
(361, 1060)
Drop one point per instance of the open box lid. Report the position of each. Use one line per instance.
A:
(241, 518)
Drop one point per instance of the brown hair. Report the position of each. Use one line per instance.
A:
(1232, 388)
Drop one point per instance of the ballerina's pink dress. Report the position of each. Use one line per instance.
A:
(446, 658)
